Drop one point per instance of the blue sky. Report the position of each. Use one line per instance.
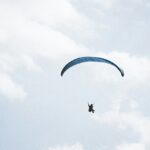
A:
(40, 110)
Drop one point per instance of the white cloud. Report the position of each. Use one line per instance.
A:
(29, 64)
(11, 89)
(53, 12)
(136, 69)
(26, 34)
(107, 4)
(133, 120)
(23, 32)
(68, 147)
(3, 35)
(9, 64)
(131, 146)
(137, 73)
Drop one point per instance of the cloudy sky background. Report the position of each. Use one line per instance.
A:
(40, 110)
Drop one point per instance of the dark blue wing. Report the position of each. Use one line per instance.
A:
(89, 59)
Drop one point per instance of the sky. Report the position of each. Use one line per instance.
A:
(39, 109)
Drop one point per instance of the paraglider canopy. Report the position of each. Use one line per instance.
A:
(90, 59)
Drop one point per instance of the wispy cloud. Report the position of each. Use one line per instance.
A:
(133, 120)
(136, 69)
(11, 89)
(29, 33)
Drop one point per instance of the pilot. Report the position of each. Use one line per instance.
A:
(91, 108)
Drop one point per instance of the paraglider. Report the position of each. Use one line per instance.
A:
(91, 108)
(89, 59)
